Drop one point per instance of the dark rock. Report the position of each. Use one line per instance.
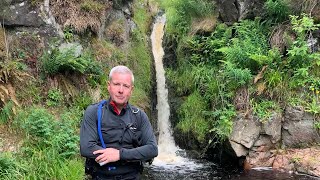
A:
(245, 131)
(298, 128)
(21, 14)
(272, 127)
(228, 11)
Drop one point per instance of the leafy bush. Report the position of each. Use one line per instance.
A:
(57, 62)
(277, 10)
(265, 109)
(38, 123)
(204, 49)
(235, 77)
(249, 47)
(65, 142)
(191, 116)
(55, 97)
(222, 122)
(44, 131)
(299, 53)
(179, 13)
(181, 81)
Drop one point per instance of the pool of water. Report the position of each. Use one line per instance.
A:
(202, 170)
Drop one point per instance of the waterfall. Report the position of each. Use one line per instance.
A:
(167, 148)
(166, 144)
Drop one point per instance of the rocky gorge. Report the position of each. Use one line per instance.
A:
(287, 141)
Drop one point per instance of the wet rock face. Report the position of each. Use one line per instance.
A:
(298, 128)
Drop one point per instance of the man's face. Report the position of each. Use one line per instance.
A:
(120, 88)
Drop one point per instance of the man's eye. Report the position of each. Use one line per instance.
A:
(117, 84)
(126, 86)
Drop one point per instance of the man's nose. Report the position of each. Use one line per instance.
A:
(121, 88)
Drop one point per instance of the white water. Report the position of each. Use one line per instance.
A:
(167, 157)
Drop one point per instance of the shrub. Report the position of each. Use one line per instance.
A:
(191, 116)
(277, 10)
(204, 50)
(222, 122)
(179, 13)
(38, 123)
(249, 47)
(299, 53)
(265, 109)
(57, 62)
(235, 77)
(44, 131)
(55, 97)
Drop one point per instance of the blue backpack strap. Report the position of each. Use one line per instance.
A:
(99, 115)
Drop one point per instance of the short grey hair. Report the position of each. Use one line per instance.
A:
(121, 70)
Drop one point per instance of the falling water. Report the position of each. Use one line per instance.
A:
(167, 148)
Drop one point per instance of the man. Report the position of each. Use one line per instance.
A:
(126, 136)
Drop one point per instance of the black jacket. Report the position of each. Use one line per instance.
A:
(118, 134)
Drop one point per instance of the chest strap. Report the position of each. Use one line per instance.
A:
(99, 114)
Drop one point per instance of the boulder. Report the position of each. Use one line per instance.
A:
(298, 128)
(245, 131)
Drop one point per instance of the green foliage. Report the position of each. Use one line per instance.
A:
(6, 113)
(313, 107)
(192, 118)
(44, 131)
(201, 76)
(66, 141)
(179, 13)
(273, 78)
(236, 77)
(55, 97)
(141, 67)
(82, 101)
(72, 117)
(68, 34)
(222, 122)
(48, 164)
(265, 109)
(249, 47)
(142, 16)
(7, 165)
(181, 81)
(277, 10)
(57, 62)
(38, 123)
(31, 93)
(317, 125)
(299, 53)
(204, 50)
